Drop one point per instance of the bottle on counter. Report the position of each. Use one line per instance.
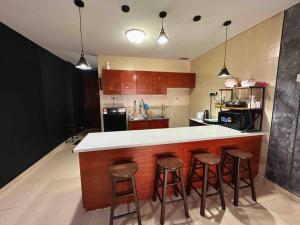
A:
(252, 102)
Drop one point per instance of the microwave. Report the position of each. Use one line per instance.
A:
(238, 120)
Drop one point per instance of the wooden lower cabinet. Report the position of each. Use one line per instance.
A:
(148, 124)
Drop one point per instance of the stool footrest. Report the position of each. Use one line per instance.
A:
(124, 193)
(125, 214)
(208, 195)
(168, 184)
(176, 200)
(178, 190)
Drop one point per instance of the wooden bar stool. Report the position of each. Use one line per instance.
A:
(124, 172)
(169, 165)
(203, 161)
(237, 155)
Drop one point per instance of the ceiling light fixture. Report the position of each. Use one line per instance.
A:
(162, 39)
(224, 71)
(82, 64)
(197, 18)
(135, 36)
(125, 8)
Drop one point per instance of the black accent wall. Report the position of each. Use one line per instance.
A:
(283, 165)
(39, 94)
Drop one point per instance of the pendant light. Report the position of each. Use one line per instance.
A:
(162, 39)
(82, 64)
(224, 71)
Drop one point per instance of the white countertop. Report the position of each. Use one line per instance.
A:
(198, 120)
(136, 138)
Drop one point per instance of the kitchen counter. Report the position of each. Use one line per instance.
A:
(136, 138)
(98, 151)
(147, 119)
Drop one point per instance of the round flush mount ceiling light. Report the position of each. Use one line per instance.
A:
(135, 36)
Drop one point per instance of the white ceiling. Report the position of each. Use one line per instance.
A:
(54, 24)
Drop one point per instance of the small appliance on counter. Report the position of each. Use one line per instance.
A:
(238, 120)
(114, 119)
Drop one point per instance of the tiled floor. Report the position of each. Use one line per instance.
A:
(51, 195)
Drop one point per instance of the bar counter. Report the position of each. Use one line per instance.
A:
(97, 151)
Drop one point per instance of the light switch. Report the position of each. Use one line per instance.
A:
(298, 77)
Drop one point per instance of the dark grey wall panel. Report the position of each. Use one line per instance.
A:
(36, 96)
(283, 137)
(294, 182)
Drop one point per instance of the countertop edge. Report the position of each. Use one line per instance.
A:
(170, 142)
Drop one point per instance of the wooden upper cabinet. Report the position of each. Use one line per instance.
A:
(128, 82)
(144, 82)
(189, 80)
(181, 80)
(111, 82)
(159, 83)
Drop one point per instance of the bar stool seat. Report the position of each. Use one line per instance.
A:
(124, 170)
(240, 154)
(207, 158)
(170, 163)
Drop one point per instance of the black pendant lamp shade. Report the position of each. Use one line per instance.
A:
(224, 71)
(82, 64)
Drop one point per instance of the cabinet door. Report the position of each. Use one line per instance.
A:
(181, 80)
(128, 82)
(159, 83)
(174, 80)
(144, 82)
(111, 82)
(138, 125)
(92, 102)
(188, 80)
(156, 124)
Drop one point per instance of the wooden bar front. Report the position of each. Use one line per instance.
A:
(96, 182)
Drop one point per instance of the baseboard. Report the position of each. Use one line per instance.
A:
(32, 168)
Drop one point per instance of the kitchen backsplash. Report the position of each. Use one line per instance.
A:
(177, 101)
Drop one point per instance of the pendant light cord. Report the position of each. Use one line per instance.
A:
(80, 30)
(225, 47)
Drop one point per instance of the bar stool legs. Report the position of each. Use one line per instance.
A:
(165, 166)
(113, 202)
(136, 201)
(237, 181)
(124, 173)
(253, 191)
(184, 194)
(164, 196)
(204, 161)
(237, 156)
(204, 189)
(220, 186)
